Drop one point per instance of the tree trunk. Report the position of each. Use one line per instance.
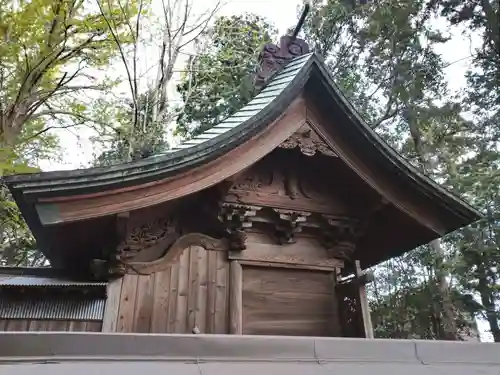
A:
(448, 312)
(488, 301)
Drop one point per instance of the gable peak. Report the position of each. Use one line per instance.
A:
(308, 141)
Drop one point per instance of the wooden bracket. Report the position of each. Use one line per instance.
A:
(236, 218)
(339, 237)
(289, 223)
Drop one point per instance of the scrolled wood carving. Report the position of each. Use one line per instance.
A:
(175, 251)
(148, 241)
(285, 187)
(308, 142)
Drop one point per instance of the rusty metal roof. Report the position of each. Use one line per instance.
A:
(82, 353)
(52, 309)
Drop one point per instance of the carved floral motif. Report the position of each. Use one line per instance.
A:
(153, 238)
(273, 58)
(284, 187)
(308, 141)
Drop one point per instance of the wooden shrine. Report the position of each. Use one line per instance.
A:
(261, 225)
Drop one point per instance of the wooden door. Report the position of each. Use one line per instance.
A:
(278, 301)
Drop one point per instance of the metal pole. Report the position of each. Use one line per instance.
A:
(301, 20)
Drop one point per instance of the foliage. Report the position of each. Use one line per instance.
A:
(383, 57)
(221, 78)
(129, 140)
(481, 17)
(17, 244)
(47, 51)
(404, 303)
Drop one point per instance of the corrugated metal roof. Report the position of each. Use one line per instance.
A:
(36, 281)
(54, 309)
(275, 87)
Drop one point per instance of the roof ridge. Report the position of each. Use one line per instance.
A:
(283, 74)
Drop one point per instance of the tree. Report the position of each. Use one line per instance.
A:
(17, 244)
(220, 81)
(483, 17)
(403, 303)
(149, 109)
(476, 175)
(143, 138)
(46, 54)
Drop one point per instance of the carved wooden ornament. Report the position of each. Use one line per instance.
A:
(340, 235)
(236, 218)
(174, 252)
(308, 141)
(148, 241)
(273, 58)
(289, 223)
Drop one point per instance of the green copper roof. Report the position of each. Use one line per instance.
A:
(253, 108)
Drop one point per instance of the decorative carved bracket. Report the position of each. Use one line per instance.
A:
(148, 241)
(236, 218)
(289, 223)
(340, 236)
(308, 141)
(273, 58)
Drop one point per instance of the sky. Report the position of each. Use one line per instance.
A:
(77, 149)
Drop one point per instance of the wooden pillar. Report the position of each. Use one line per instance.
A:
(336, 329)
(236, 299)
(363, 304)
(111, 309)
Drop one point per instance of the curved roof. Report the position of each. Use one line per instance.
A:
(235, 130)
(189, 167)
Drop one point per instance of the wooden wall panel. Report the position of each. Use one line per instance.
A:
(49, 325)
(192, 291)
(305, 252)
(280, 301)
(110, 318)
